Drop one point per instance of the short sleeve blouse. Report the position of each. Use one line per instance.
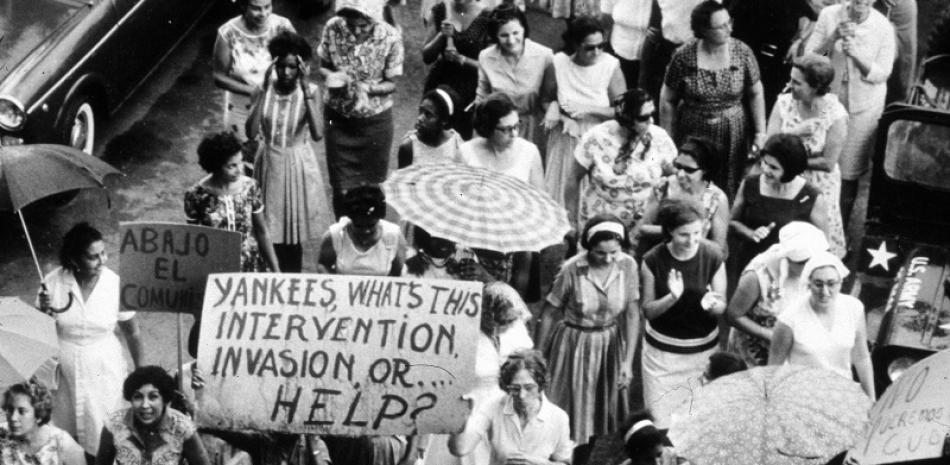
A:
(727, 86)
(813, 344)
(589, 303)
(813, 131)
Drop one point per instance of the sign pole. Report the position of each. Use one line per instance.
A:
(181, 367)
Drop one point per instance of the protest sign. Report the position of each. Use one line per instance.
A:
(346, 355)
(911, 420)
(164, 266)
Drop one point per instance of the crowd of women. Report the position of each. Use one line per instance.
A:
(707, 243)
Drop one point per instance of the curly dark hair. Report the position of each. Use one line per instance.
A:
(724, 364)
(289, 43)
(499, 301)
(701, 16)
(216, 149)
(817, 70)
(601, 236)
(504, 14)
(676, 212)
(789, 151)
(491, 110)
(442, 106)
(628, 105)
(530, 360)
(40, 398)
(151, 374)
(75, 243)
(706, 153)
(365, 200)
(579, 29)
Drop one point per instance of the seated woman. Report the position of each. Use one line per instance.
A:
(826, 330)
(522, 426)
(694, 169)
(32, 439)
(362, 242)
(149, 431)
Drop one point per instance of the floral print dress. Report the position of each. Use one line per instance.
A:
(229, 211)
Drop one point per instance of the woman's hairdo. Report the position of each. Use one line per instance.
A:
(817, 71)
(437, 97)
(701, 17)
(706, 153)
(216, 149)
(602, 236)
(580, 29)
(151, 374)
(366, 200)
(75, 243)
(40, 398)
(487, 113)
(288, 43)
(676, 212)
(628, 105)
(504, 14)
(644, 441)
(789, 151)
(530, 360)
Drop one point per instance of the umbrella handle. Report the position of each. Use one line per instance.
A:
(52, 309)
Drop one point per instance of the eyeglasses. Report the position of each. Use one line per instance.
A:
(513, 129)
(830, 284)
(686, 169)
(592, 47)
(515, 389)
(642, 118)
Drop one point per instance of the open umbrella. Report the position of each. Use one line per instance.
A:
(775, 415)
(31, 172)
(911, 421)
(477, 207)
(27, 340)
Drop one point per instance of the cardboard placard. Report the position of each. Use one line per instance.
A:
(164, 266)
(345, 355)
(911, 420)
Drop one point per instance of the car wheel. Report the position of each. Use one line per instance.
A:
(79, 125)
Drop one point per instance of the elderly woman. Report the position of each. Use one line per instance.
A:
(769, 284)
(149, 431)
(594, 300)
(516, 66)
(812, 113)
(768, 201)
(361, 55)
(694, 168)
(227, 199)
(287, 115)
(622, 160)
(706, 88)
(522, 426)
(684, 288)
(861, 44)
(33, 440)
(587, 80)
(826, 330)
(362, 242)
(240, 57)
(85, 296)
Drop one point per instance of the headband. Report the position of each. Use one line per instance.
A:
(448, 100)
(610, 226)
(637, 427)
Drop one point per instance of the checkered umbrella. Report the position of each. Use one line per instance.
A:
(476, 207)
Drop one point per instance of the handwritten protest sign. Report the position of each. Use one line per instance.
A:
(164, 266)
(328, 354)
(911, 420)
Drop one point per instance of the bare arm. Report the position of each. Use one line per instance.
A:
(220, 65)
(861, 357)
(834, 144)
(252, 127)
(744, 232)
(130, 329)
(756, 96)
(106, 453)
(781, 345)
(263, 241)
(745, 297)
(194, 451)
(572, 191)
(549, 314)
(668, 100)
(326, 260)
(653, 307)
(313, 102)
(433, 47)
(819, 214)
(396, 269)
(719, 229)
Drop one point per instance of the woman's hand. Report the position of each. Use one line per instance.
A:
(575, 110)
(448, 29)
(551, 117)
(762, 232)
(197, 377)
(46, 302)
(303, 74)
(626, 375)
(470, 270)
(452, 55)
(714, 303)
(675, 283)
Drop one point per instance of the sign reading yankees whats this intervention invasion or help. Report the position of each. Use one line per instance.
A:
(327, 354)
(164, 266)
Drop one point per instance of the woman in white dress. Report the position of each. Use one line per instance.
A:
(587, 81)
(83, 296)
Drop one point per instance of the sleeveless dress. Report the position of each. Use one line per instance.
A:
(448, 152)
(761, 210)
(814, 132)
(249, 62)
(287, 170)
(376, 261)
(582, 85)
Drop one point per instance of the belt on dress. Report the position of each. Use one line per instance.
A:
(590, 328)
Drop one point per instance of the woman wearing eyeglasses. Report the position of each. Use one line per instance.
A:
(623, 159)
(693, 171)
(499, 146)
(587, 80)
(827, 329)
(522, 427)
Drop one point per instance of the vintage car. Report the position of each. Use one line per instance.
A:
(66, 64)
(903, 264)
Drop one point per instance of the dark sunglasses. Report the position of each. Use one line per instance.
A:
(642, 118)
(686, 169)
(591, 48)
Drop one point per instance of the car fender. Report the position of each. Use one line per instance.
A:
(91, 84)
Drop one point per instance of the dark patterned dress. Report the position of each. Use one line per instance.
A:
(469, 42)
(231, 212)
(711, 105)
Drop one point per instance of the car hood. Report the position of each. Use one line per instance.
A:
(919, 303)
(26, 24)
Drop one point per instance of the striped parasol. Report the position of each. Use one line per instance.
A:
(476, 207)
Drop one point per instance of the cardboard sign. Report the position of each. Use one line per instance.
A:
(345, 355)
(911, 420)
(164, 266)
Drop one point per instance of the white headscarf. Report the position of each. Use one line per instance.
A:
(372, 9)
(820, 260)
(799, 240)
